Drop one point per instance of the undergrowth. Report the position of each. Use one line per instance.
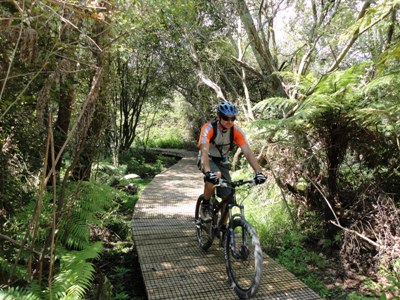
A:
(95, 256)
(304, 250)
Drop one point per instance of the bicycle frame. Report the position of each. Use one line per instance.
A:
(230, 204)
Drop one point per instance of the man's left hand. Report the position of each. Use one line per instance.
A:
(260, 178)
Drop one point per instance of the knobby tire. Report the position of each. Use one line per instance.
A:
(204, 232)
(244, 265)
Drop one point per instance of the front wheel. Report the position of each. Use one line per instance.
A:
(204, 232)
(243, 258)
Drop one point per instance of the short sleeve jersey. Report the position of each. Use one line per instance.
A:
(221, 144)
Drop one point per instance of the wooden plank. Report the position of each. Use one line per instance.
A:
(173, 265)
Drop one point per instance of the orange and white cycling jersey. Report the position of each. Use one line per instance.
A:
(220, 147)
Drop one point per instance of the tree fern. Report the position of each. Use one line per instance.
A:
(274, 107)
(298, 82)
(382, 109)
(336, 92)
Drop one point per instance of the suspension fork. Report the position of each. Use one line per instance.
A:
(232, 216)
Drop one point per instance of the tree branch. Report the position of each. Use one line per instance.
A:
(354, 37)
(11, 240)
(248, 68)
(358, 234)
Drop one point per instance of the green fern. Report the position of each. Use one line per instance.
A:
(71, 283)
(7, 266)
(336, 92)
(390, 55)
(298, 82)
(349, 79)
(18, 293)
(76, 272)
(86, 202)
(274, 105)
(381, 109)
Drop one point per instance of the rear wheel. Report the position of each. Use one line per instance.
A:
(243, 259)
(204, 230)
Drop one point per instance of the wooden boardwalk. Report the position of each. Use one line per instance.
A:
(173, 265)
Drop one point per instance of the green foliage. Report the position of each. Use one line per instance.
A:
(76, 272)
(72, 281)
(86, 201)
(359, 296)
(267, 212)
(297, 259)
(18, 293)
(104, 172)
(145, 164)
(119, 278)
(387, 288)
(352, 114)
(118, 226)
(167, 142)
(380, 109)
(274, 107)
(394, 277)
(171, 117)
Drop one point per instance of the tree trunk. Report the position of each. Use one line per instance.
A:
(97, 122)
(262, 55)
(66, 101)
(336, 145)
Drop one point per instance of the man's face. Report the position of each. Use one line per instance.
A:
(227, 121)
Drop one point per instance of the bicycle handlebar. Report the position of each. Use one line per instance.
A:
(233, 184)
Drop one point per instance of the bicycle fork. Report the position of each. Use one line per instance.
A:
(244, 244)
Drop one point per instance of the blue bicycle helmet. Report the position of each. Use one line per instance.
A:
(227, 109)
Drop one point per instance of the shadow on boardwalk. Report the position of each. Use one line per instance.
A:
(173, 265)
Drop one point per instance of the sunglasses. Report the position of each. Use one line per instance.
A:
(230, 119)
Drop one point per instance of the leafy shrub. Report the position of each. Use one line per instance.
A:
(146, 164)
(167, 142)
(297, 259)
(119, 227)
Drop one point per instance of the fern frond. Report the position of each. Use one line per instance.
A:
(6, 267)
(277, 102)
(18, 293)
(385, 116)
(297, 81)
(274, 107)
(392, 54)
(86, 202)
(372, 14)
(339, 80)
(76, 272)
(381, 83)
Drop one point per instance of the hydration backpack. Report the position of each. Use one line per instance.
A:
(214, 124)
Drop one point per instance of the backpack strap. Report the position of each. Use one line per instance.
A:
(214, 124)
(231, 138)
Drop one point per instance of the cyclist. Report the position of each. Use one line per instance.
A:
(213, 155)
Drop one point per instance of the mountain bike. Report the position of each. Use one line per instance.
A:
(243, 254)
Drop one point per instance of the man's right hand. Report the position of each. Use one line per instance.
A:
(211, 177)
